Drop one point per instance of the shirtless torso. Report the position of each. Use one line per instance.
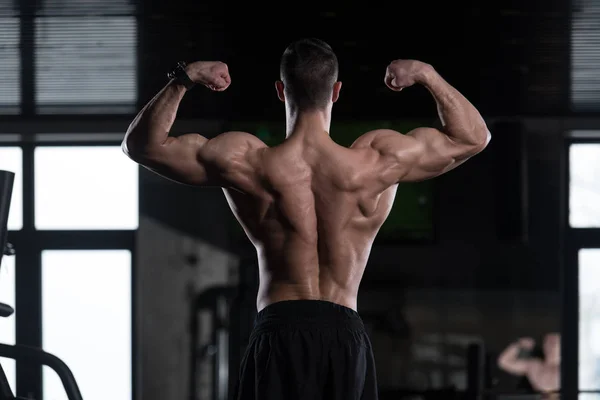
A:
(311, 207)
(312, 210)
(543, 374)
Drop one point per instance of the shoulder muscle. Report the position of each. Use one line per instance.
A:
(235, 157)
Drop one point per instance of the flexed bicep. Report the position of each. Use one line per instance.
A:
(195, 160)
(434, 153)
(176, 159)
(181, 159)
(423, 153)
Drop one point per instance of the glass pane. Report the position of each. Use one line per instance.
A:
(589, 319)
(11, 159)
(584, 185)
(7, 325)
(85, 188)
(86, 64)
(589, 396)
(86, 306)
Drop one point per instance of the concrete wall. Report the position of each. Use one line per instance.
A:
(171, 268)
(420, 336)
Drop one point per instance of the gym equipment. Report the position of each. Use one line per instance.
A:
(477, 377)
(22, 353)
(217, 300)
(232, 310)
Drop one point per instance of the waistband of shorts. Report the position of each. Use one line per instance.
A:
(294, 314)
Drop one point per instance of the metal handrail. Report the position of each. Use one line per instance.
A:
(38, 356)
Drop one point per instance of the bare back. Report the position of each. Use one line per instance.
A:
(311, 207)
(312, 215)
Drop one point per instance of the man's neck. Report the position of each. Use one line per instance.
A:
(307, 123)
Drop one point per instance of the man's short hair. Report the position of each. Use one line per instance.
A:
(309, 69)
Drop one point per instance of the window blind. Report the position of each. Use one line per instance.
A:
(85, 57)
(10, 62)
(585, 56)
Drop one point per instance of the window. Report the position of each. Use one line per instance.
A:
(7, 325)
(83, 8)
(85, 64)
(589, 319)
(11, 159)
(85, 188)
(10, 62)
(86, 312)
(585, 71)
(584, 187)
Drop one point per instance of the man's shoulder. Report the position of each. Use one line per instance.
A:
(368, 139)
(241, 138)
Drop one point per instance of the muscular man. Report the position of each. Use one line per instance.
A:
(311, 207)
(543, 374)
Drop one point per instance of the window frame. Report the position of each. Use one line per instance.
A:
(573, 240)
(27, 13)
(29, 244)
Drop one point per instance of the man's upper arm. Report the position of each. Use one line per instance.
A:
(195, 160)
(520, 367)
(421, 154)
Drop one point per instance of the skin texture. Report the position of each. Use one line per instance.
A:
(543, 375)
(311, 207)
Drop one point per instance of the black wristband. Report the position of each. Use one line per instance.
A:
(180, 76)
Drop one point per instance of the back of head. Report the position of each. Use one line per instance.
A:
(552, 348)
(309, 69)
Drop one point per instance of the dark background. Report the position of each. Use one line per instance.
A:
(510, 58)
(482, 259)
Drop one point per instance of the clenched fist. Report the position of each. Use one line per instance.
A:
(526, 343)
(212, 74)
(404, 73)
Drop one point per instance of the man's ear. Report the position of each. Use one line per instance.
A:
(336, 91)
(279, 87)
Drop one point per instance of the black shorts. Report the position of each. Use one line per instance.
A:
(307, 350)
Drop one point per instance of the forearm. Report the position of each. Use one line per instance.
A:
(460, 119)
(152, 125)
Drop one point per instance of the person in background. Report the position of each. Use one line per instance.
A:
(543, 374)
